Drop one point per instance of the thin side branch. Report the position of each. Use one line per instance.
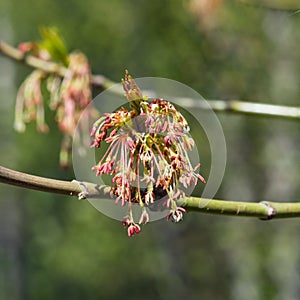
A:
(248, 108)
(273, 5)
(47, 66)
(263, 210)
(100, 81)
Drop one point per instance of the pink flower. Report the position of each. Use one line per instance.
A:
(105, 168)
(125, 221)
(149, 197)
(69, 96)
(144, 217)
(132, 228)
(176, 215)
(151, 150)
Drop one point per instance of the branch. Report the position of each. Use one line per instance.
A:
(281, 5)
(47, 66)
(248, 108)
(263, 210)
(71, 188)
(100, 81)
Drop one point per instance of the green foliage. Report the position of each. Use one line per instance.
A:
(54, 44)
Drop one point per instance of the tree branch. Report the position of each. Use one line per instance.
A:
(47, 66)
(248, 108)
(100, 81)
(281, 5)
(263, 210)
(71, 188)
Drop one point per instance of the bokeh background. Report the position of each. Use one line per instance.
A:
(55, 247)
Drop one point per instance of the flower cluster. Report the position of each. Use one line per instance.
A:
(69, 96)
(147, 155)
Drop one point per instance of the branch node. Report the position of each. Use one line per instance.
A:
(84, 192)
(271, 211)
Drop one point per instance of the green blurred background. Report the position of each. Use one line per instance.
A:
(54, 247)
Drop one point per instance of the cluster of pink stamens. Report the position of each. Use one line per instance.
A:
(69, 96)
(146, 156)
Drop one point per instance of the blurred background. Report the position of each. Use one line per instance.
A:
(55, 247)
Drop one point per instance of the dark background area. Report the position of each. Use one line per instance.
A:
(55, 247)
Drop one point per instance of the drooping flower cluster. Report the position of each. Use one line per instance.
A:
(147, 155)
(69, 95)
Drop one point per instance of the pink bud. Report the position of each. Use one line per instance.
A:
(130, 231)
(137, 229)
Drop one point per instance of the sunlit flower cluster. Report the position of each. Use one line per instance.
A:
(147, 155)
